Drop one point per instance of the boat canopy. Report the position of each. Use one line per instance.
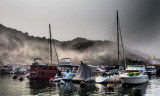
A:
(66, 61)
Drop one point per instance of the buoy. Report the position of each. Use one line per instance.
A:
(110, 86)
(50, 79)
(136, 91)
(20, 78)
(14, 77)
(82, 84)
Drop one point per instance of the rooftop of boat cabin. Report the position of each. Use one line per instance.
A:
(136, 62)
(68, 65)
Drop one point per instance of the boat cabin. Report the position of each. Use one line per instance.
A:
(66, 66)
(135, 68)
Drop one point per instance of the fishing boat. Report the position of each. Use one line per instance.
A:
(43, 71)
(67, 71)
(151, 70)
(134, 74)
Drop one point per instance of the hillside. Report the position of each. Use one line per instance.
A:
(17, 47)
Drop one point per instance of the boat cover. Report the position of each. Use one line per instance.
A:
(85, 71)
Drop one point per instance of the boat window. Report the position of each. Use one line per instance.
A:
(141, 71)
(129, 71)
(50, 68)
(149, 69)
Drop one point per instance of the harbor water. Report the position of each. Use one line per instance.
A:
(14, 87)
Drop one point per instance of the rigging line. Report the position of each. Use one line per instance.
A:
(122, 45)
(55, 49)
(112, 36)
(48, 59)
(118, 37)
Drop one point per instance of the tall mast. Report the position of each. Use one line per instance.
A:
(118, 36)
(50, 43)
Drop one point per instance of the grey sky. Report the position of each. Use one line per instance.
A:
(92, 19)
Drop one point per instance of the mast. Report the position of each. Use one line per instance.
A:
(50, 43)
(118, 37)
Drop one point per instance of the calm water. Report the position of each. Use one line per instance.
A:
(10, 87)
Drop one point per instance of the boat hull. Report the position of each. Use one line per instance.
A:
(151, 72)
(108, 79)
(42, 75)
(69, 76)
(134, 80)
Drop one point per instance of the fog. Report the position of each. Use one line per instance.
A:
(91, 19)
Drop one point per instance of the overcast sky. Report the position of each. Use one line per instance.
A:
(92, 19)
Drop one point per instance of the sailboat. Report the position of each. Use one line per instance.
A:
(43, 71)
(108, 78)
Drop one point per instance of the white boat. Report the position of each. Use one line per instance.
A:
(67, 71)
(134, 75)
(107, 78)
(151, 70)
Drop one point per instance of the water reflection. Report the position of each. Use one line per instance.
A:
(39, 86)
(10, 87)
(67, 89)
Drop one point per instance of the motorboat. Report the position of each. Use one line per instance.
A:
(107, 77)
(134, 74)
(67, 71)
(151, 70)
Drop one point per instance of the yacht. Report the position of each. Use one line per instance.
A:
(134, 74)
(151, 70)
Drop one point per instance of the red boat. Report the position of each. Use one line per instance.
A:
(42, 71)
